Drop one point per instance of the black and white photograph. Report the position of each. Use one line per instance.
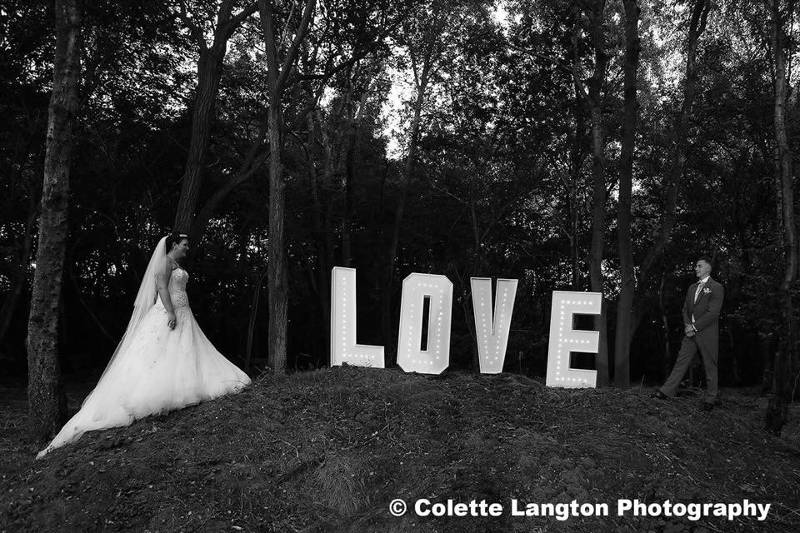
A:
(400, 265)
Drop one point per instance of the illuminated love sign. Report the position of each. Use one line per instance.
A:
(564, 339)
(492, 327)
(438, 290)
(344, 348)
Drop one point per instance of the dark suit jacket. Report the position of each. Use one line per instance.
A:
(706, 309)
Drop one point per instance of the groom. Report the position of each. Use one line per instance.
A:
(701, 327)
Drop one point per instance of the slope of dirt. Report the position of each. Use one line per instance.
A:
(328, 450)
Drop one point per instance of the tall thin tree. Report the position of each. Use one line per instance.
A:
(277, 276)
(630, 67)
(209, 69)
(592, 97)
(424, 54)
(786, 364)
(679, 141)
(46, 401)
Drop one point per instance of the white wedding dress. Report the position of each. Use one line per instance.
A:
(157, 369)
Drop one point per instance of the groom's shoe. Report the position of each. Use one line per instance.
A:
(660, 395)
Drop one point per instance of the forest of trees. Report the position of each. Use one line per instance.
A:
(573, 145)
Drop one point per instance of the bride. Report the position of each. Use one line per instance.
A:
(163, 362)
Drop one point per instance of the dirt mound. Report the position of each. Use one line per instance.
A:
(328, 450)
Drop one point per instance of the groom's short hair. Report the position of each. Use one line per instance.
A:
(707, 259)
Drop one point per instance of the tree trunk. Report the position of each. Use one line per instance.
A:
(594, 99)
(209, 67)
(786, 358)
(408, 172)
(353, 146)
(320, 276)
(349, 178)
(766, 353)
(277, 275)
(397, 225)
(46, 400)
(622, 344)
(208, 74)
(251, 325)
(577, 156)
(664, 324)
(679, 141)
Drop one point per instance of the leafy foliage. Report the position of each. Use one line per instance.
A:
(501, 185)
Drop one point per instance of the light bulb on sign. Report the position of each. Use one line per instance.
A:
(564, 339)
(344, 348)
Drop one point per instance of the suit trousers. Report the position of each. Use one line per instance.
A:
(709, 351)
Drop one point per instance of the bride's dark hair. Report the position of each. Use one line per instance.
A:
(175, 238)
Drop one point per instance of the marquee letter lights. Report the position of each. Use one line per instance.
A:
(343, 324)
(564, 339)
(410, 356)
(492, 326)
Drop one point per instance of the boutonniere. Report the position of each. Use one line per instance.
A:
(706, 291)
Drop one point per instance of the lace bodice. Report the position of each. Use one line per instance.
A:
(177, 289)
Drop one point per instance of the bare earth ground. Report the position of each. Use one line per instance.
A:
(328, 450)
